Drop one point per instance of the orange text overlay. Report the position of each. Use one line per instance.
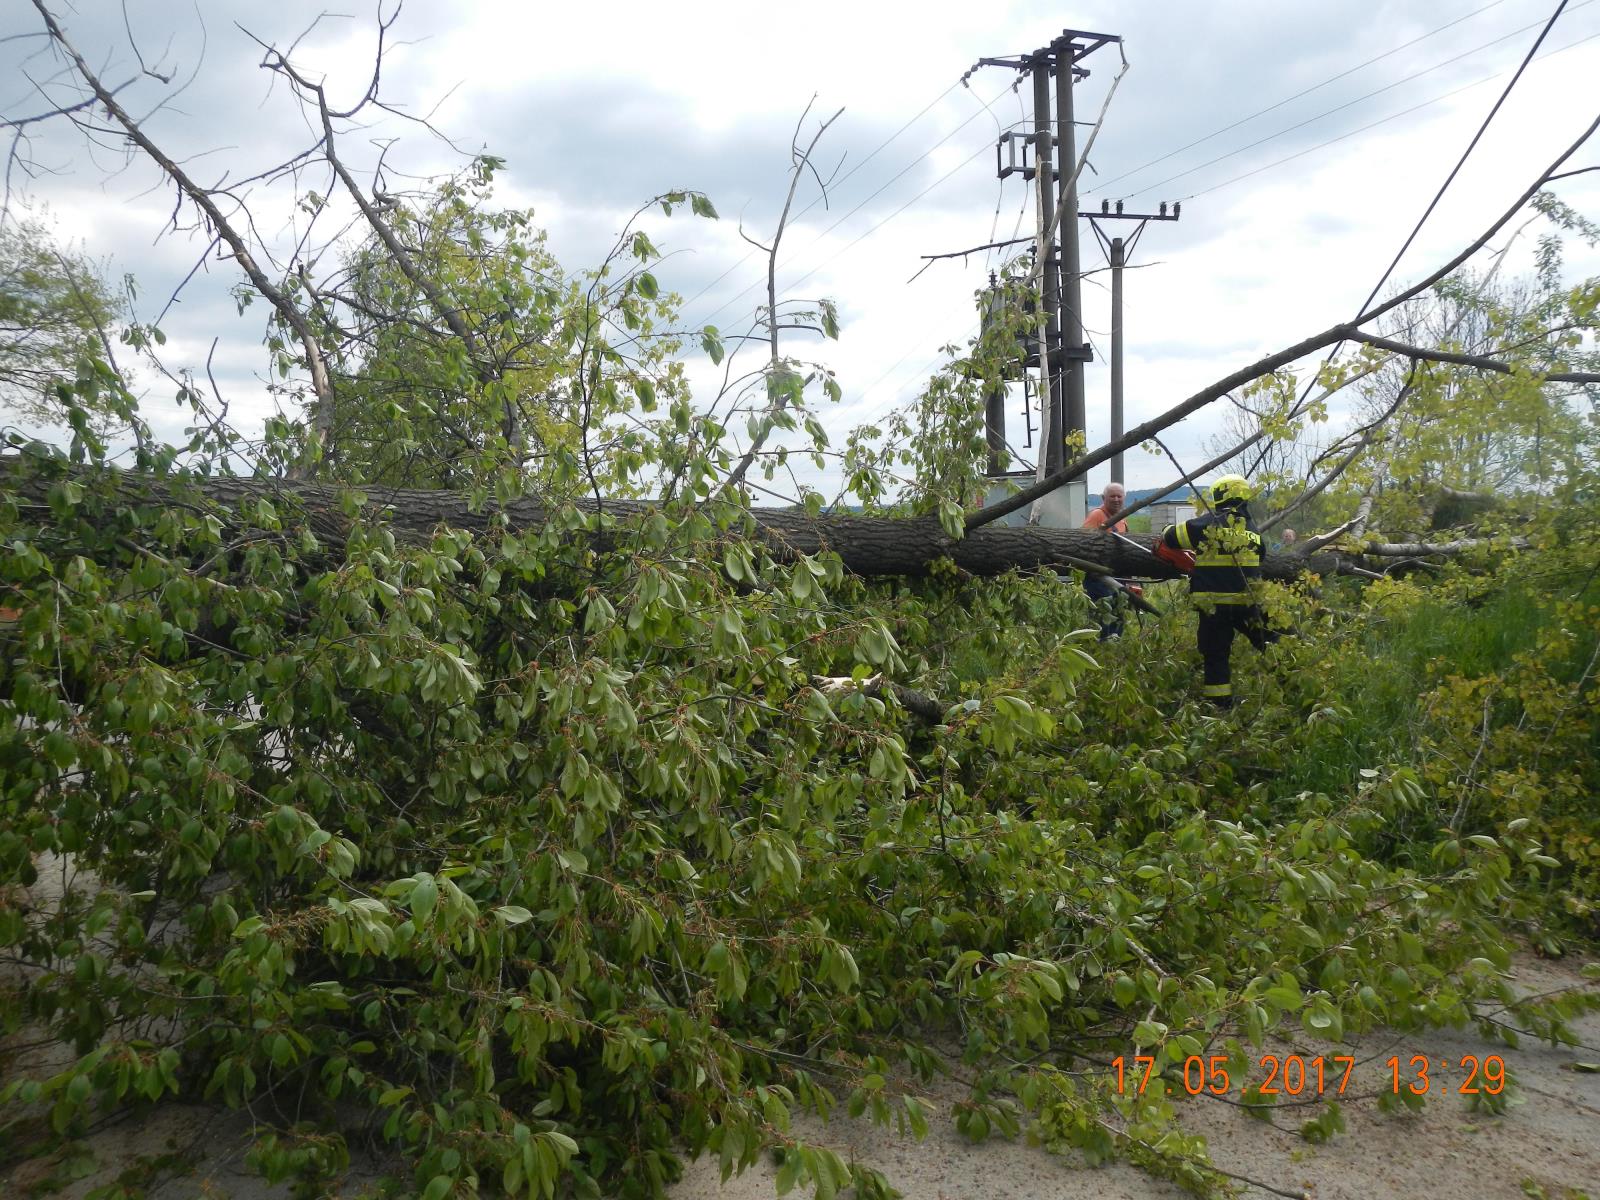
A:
(1318, 1075)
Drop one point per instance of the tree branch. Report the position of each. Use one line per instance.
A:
(777, 395)
(1467, 360)
(1271, 362)
(285, 307)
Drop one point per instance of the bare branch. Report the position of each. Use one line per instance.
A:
(1367, 434)
(201, 199)
(778, 398)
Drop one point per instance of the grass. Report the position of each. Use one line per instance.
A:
(1399, 658)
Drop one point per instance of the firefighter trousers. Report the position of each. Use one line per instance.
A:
(1218, 624)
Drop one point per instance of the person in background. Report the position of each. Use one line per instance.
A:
(1102, 593)
(1227, 562)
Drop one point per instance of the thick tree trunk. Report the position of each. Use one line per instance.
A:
(868, 546)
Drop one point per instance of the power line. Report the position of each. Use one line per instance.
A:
(960, 166)
(818, 199)
(1483, 127)
(1405, 112)
(1462, 161)
(1290, 99)
(1340, 108)
(892, 180)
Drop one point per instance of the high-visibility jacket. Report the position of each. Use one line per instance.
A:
(1227, 553)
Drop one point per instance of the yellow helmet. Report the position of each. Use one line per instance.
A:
(1230, 489)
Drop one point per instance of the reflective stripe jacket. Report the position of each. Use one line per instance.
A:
(1227, 553)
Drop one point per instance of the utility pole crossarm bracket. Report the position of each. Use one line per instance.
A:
(1022, 62)
(1107, 214)
(1070, 37)
(1067, 43)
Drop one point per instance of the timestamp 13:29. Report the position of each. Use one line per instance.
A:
(1319, 1075)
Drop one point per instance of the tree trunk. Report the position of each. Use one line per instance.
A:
(868, 546)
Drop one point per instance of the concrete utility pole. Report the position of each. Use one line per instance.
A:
(1062, 351)
(1057, 345)
(1069, 377)
(994, 400)
(1118, 258)
(1117, 252)
(1050, 390)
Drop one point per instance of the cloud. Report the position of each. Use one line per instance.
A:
(596, 108)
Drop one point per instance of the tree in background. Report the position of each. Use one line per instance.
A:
(55, 312)
(417, 403)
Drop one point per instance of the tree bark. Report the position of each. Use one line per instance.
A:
(868, 546)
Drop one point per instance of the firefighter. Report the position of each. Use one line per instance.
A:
(1227, 560)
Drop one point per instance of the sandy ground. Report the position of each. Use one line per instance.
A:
(1550, 1141)
(1547, 1146)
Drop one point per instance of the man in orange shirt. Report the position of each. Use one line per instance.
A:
(1111, 502)
(1099, 588)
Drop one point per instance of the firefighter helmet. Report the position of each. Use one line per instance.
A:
(1231, 489)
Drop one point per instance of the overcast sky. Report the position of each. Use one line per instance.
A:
(1289, 217)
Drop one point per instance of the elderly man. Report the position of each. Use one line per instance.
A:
(1100, 590)
(1111, 502)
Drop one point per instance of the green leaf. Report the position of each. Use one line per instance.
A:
(711, 343)
(1148, 1033)
(1125, 990)
(423, 897)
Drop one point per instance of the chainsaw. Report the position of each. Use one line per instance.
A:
(1181, 561)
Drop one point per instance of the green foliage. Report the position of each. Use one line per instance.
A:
(544, 851)
(539, 847)
(931, 457)
(549, 360)
(54, 310)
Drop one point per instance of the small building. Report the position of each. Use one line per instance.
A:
(1064, 508)
(1171, 512)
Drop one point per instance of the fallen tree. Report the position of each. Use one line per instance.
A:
(867, 546)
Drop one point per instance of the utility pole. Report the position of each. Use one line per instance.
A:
(1061, 352)
(1117, 251)
(1050, 391)
(1070, 377)
(1118, 259)
(994, 400)
(1057, 346)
